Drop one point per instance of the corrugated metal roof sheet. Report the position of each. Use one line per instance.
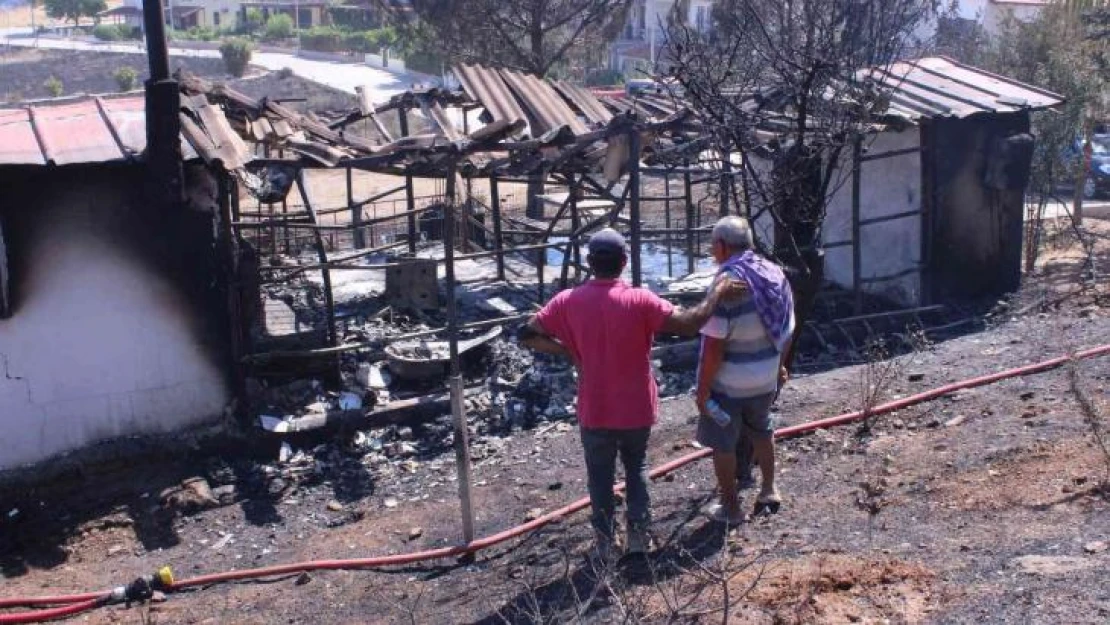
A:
(548, 110)
(485, 86)
(586, 102)
(76, 131)
(941, 87)
(18, 144)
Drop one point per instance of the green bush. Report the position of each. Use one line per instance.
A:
(237, 55)
(604, 78)
(353, 17)
(424, 62)
(106, 32)
(362, 41)
(322, 39)
(126, 78)
(278, 27)
(116, 32)
(54, 87)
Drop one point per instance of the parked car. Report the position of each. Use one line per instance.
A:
(1098, 176)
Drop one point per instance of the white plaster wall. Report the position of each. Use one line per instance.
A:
(98, 348)
(887, 187)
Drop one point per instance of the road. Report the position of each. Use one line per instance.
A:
(381, 83)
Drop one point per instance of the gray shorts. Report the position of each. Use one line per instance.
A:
(751, 416)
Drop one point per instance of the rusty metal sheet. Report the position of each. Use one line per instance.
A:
(486, 86)
(74, 132)
(435, 112)
(541, 101)
(18, 145)
(585, 101)
(126, 118)
(224, 144)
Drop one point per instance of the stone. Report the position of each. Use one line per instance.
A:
(114, 549)
(1027, 395)
(405, 433)
(953, 422)
(334, 506)
(916, 377)
(303, 579)
(415, 533)
(533, 514)
(225, 494)
(390, 502)
(1097, 546)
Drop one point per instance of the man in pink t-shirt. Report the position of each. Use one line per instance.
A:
(606, 327)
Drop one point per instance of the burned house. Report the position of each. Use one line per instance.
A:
(111, 322)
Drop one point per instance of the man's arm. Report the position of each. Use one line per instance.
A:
(533, 336)
(688, 321)
(712, 355)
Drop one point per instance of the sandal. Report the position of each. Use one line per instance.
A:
(768, 503)
(718, 514)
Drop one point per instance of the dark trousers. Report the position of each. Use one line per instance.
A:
(602, 446)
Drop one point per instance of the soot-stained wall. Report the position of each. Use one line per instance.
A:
(115, 327)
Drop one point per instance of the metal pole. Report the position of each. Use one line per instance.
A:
(458, 409)
(498, 244)
(857, 247)
(410, 198)
(634, 203)
(575, 224)
(667, 222)
(688, 190)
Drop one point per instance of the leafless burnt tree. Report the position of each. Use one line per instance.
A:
(790, 86)
(530, 35)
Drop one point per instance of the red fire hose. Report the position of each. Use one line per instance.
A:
(82, 602)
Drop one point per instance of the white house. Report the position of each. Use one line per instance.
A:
(645, 34)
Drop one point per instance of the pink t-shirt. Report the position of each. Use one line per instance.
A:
(609, 326)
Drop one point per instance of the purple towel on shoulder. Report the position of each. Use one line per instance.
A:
(770, 291)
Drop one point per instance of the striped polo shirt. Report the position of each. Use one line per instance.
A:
(751, 363)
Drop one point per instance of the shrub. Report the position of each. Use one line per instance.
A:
(604, 78)
(285, 72)
(279, 26)
(126, 78)
(237, 55)
(362, 41)
(107, 32)
(322, 39)
(54, 87)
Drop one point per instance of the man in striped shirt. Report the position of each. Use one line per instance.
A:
(741, 369)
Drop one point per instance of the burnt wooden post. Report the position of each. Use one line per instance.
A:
(495, 208)
(688, 190)
(322, 255)
(634, 203)
(857, 244)
(458, 409)
(356, 213)
(410, 198)
(726, 181)
(229, 253)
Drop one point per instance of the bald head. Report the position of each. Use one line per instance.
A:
(734, 233)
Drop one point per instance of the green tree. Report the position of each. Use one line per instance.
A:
(73, 9)
(279, 26)
(237, 55)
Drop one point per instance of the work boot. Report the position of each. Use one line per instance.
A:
(639, 541)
